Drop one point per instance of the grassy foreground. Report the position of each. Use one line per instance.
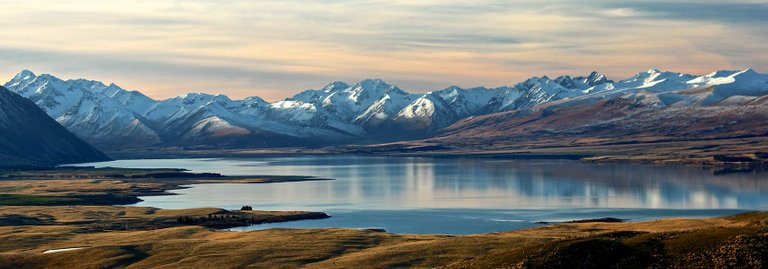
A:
(730, 242)
(55, 220)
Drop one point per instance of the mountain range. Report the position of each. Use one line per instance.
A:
(29, 137)
(650, 108)
(373, 111)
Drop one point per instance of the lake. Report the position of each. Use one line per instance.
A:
(462, 195)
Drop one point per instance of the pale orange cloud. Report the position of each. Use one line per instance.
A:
(276, 48)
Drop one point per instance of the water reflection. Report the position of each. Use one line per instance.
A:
(399, 183)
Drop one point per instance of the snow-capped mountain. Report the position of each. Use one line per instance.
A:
(583, 83)
(649, 106)
(663, 89)
(367, 111)
(84, 108)
(535, 91)
(367, 104)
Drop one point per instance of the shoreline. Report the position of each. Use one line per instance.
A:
(725, 153)
(715, 167)
(86, 187)
(141, 181)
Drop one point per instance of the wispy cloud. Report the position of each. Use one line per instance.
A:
(621, 12)
(277, 48)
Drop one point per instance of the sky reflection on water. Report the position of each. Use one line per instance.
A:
(394, 190)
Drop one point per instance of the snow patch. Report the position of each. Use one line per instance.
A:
(61, 250)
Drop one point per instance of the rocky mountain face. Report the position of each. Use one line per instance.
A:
(369, 111)
(30, 137)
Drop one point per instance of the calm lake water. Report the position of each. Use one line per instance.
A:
(462, 196)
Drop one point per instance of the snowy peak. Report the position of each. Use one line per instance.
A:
(90, 85)
(356, 101)
(425, 114)
(727, 76)
(316, 96)
(199, 99)
(643, 77)
(566, 81)
(744, 83)
(467, 102)
(653, 80)
(255, 100)
(113, 90)
(335, 86)
(748, 73)
(371, 89)
(24, 75)
(423, 107)
(542, 85)
(595, 79)
(53, 95)
(375, 83)
(583, 82)
(358, 92)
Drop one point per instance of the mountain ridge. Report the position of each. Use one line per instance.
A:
(369, 111)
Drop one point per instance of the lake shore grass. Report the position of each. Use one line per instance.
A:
(736, 241)
(108, 186)
(36, 196)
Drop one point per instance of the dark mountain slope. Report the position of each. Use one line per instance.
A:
(29, 137)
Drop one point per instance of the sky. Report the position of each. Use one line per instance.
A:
(275, 49)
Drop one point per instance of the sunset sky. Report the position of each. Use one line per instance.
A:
(277, 48)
